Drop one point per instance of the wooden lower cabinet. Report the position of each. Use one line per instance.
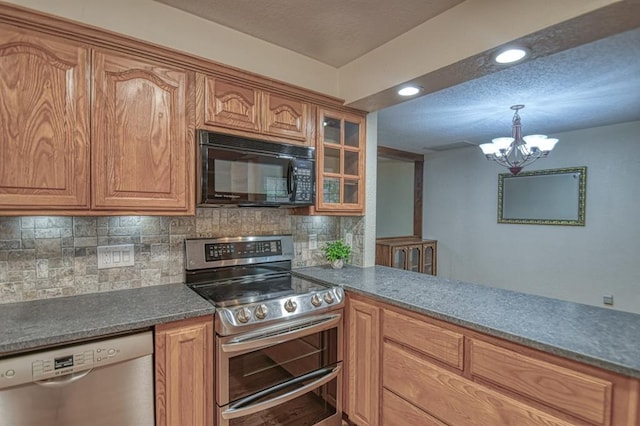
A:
(452, 398)
(184, 372)
(363, 363)
(423, 371)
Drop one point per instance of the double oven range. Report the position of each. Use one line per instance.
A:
(278, 336)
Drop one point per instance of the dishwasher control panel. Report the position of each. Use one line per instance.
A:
(57, 363)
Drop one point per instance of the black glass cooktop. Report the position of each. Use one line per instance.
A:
(254, 288)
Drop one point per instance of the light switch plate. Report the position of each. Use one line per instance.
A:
(115, 256)
(313, 241)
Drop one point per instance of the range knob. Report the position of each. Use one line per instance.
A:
(243, 315)
(328, 297)
(316, 300)
(261, 312)
(290, 305)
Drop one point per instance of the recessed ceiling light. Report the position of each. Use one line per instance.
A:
(511, 55)
(409, 91)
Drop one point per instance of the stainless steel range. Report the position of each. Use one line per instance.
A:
(278, 335)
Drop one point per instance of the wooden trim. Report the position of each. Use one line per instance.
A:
(417, 198)
(22, 17)
(418, 176)
(397, 154)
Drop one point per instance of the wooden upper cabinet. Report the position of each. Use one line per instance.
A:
(231, 105)
(282, 116)
(44, 122)
(142, 134)
(237, 108)
(340, 163)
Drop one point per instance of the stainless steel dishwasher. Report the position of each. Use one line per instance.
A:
(99, 383)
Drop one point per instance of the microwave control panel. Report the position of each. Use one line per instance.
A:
(304, 190)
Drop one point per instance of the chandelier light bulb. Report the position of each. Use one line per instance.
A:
(517, 151)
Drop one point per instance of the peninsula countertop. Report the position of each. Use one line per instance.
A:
(29, 325)
(601, 337)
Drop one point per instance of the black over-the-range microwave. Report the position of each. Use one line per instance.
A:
(250, 172)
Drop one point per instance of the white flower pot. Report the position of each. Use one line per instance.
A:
(337, 264)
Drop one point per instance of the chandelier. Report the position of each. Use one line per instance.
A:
(517, 151)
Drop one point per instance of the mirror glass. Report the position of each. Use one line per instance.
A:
(543, 197)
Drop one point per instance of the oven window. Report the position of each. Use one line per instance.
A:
(307, 409)
(264, 368)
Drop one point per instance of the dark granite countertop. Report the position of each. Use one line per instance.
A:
(29, 325)
(600, 337)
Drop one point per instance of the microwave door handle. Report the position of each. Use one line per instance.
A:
(292, 181)
(240, 408)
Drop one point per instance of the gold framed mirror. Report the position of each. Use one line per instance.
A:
(543, 197)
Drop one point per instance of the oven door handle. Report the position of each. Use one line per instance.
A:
(240, 408)
(267, 338)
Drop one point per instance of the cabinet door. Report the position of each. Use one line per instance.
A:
(452, 398)
(231, 105)
(363, 363)
(340, 153)
(429, 258)
(143, 135)
(184, 373)
(285, 117)
(414, 258)
(44, 121)
(399, 257)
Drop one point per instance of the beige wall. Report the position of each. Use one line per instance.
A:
(155, 22)
(467, 29)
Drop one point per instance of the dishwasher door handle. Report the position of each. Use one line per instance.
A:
(58, 382)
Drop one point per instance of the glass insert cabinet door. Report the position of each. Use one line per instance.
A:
(340, 162)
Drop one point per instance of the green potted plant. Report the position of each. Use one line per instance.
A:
(337, 252)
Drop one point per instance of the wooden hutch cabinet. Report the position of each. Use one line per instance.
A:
(340, 163)
(410, 253)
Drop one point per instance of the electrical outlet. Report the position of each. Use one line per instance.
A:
(313, 241)
(607, 299)
(115, 256)
(348, 239)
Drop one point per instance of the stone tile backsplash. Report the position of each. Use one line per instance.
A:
(43, 257)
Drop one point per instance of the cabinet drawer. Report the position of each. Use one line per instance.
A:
(398, 412)
(444, 345)
(586, 397)
(452, 398)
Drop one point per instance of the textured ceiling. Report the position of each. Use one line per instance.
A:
(332, 31)
(563, 87)
(591, 85)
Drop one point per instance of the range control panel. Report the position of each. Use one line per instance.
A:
(50, 364)
(206, 253)
(242, 250)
